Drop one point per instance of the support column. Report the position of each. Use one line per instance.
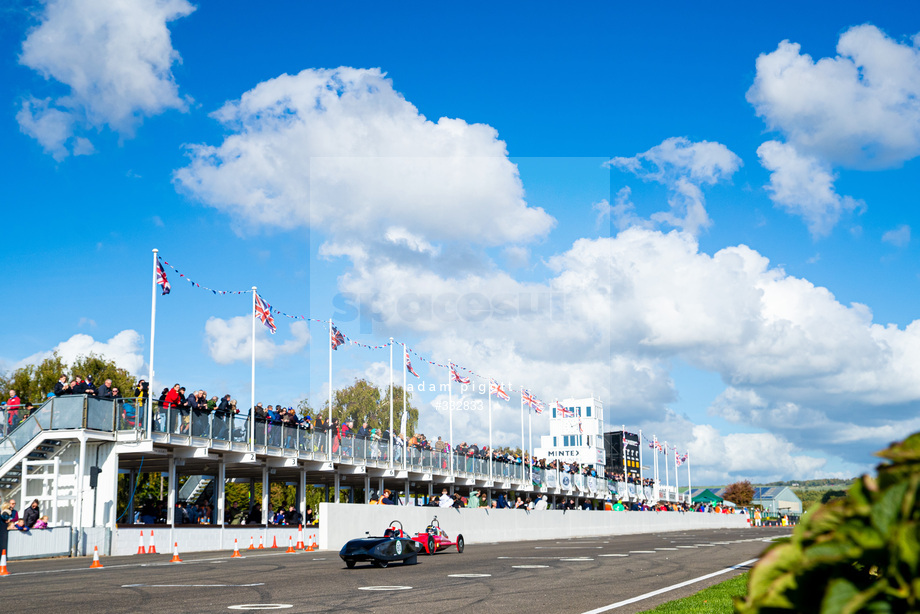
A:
(132, 479)
(220, 492)
(302, 494)
(380, 488)
(367, 488)
(336, 487)
(265, 499)
(409, 493)
(171, 492)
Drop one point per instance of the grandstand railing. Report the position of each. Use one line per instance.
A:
(224, 431)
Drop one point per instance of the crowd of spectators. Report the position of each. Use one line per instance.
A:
(30, 519)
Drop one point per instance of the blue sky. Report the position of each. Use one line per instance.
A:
(725, 217)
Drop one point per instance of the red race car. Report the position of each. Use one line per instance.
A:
(434, 539)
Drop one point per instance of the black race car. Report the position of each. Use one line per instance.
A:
(393, 546)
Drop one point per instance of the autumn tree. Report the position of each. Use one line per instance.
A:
(362, 401)
(739, 493)
(34, 382)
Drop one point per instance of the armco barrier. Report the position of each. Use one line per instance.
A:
(39, 543)
(202, 538)
(341, 522)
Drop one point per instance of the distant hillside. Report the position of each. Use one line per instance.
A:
(808, 484)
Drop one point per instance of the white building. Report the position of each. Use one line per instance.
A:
(576, 436)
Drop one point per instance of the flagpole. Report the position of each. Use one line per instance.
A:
(405, 418)
(450, 413)
(329, 412)
(625, 474)
(252, 384)
(530, 440)
(667, 475)
(689, 483)
(640, 458)
(491, 454)
(676, 476)
(655, 468)
(523, 442)
(153, 327)
(391, 407)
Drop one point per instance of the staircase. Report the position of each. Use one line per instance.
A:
(11, 481)
(194, 487)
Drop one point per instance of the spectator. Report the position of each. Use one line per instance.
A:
(105, 390)
(473, 501)
(32, 514)
(308, 517)
(5, 516)
(445, 500)
(12, 411)
(292, 516)
(41, 523)
(61, 388)
(89, 388)
(540, 503)
(386, 499)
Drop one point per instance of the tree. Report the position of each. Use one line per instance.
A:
(34, 382)
(739, 493)
(362, 401)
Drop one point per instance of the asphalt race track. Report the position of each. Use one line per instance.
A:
(576, 575)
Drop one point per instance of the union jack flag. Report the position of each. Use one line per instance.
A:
(678, 459)
(531, 401)
(564, 412)
(264, 313)
(496, 389)
(456, 376)
(409, 366)
(161, 278)
(336, 338)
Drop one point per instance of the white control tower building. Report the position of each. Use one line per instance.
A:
(576, 433)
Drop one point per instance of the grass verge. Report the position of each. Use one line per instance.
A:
(713, 600)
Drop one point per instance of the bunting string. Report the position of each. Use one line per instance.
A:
(349, 340)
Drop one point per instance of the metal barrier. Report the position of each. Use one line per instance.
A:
(39, 543)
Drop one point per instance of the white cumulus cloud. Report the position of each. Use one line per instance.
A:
(804, 186)
(857, 110)
(114, 57)
(342, 150)
(125, 349)
(683, 166)
(860, 109)
(231, 340)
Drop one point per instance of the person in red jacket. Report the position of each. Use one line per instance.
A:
(169, 404)
(12, 411)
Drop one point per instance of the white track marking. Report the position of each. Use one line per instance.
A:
(666, 589)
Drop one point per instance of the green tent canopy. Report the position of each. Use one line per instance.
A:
(704, 495)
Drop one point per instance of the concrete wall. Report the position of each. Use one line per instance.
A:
(205, 538)
(342, 522)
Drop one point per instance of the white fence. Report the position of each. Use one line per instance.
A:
(343, 521)
(39, 543)
(198, 538)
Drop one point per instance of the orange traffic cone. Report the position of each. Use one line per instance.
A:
(261, 547)
(309, 548)
(315, 545)
(152, 548)
(290, 549)
(140, 544)
(274, 541)
(3, 570)
(300, 545)
(236, 551)
(175, 558)
(97, 564)
(251, 545)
